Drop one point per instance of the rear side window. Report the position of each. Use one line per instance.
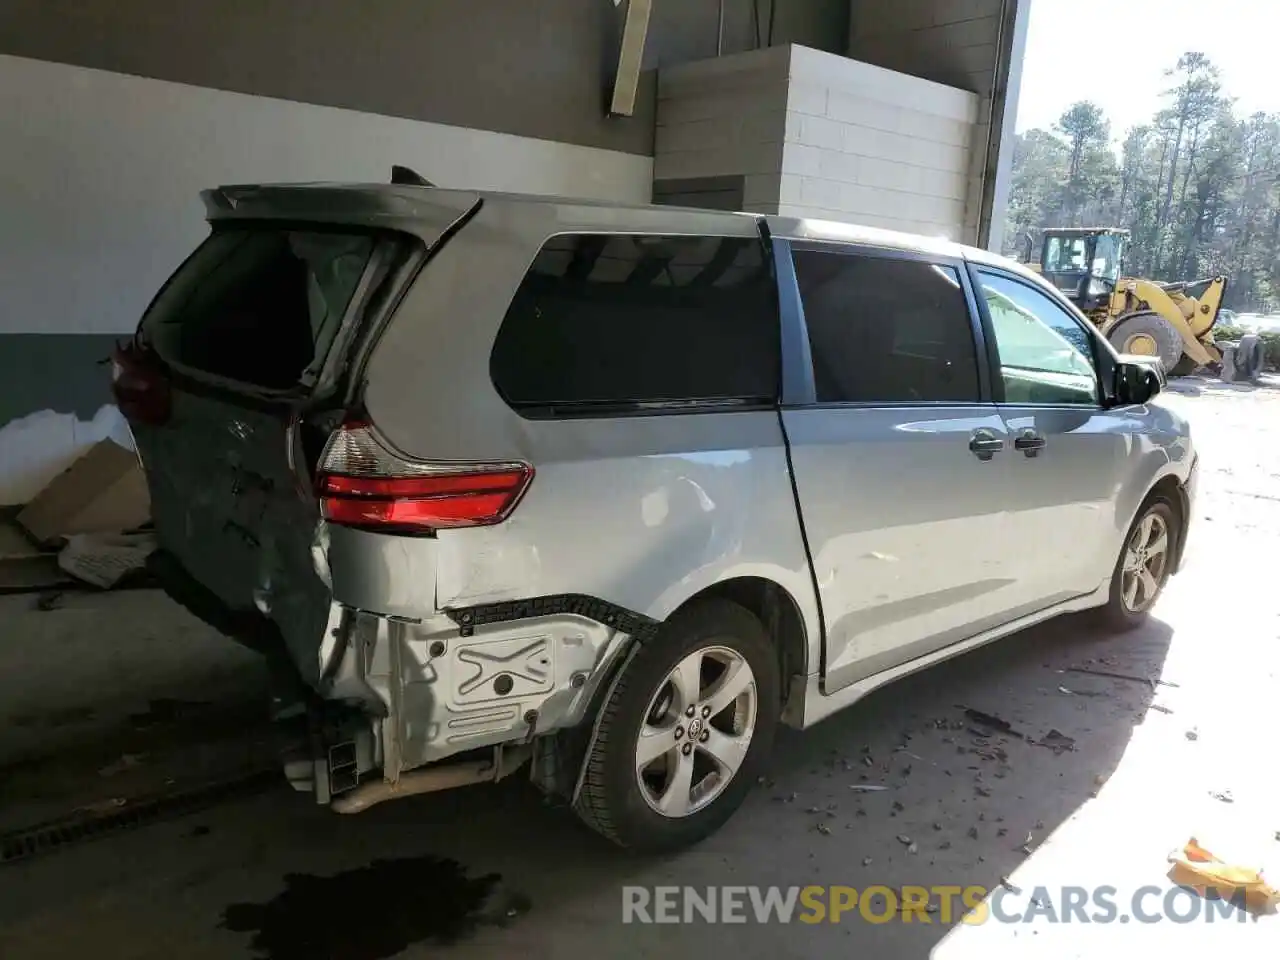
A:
(886, 331)
(260, 306)
(619, 323)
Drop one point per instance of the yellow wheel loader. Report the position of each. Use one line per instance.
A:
(1172, 322)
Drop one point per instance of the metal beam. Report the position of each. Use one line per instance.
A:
(1006, 83)
(635, 31)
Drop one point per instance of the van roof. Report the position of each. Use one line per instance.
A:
(226, 201)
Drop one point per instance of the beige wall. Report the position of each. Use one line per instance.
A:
(813, 134)
(975, 45)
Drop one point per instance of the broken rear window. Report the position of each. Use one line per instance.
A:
(260, 306)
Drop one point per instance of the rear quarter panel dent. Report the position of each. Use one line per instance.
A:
(646, 532)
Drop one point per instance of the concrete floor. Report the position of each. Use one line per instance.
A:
(248, 878)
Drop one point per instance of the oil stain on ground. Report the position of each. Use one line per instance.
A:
(374, 912)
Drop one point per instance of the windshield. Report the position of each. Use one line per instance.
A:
(1106, 257)
(1066, 255)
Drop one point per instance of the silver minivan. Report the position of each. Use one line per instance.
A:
(605, 493)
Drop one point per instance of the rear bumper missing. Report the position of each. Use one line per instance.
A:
(435, 688)
(396, 694)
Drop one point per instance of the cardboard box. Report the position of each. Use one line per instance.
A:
(24, 567)
(105, 491)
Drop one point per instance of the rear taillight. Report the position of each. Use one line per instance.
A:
(363, 483)
(140, 386)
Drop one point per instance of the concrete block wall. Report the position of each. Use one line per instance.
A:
(973, 45)
(819, 135)
(875, 147)
(723, 118)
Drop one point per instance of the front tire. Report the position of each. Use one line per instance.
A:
(685, 731)
(1145, 564)
(1148, 334)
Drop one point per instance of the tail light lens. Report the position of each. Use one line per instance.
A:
(363, 483)
(140, 386)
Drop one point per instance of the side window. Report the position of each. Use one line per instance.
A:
(627, 322)
(1045, 354)
(886, 331)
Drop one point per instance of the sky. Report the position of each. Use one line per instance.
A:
(1067, 42)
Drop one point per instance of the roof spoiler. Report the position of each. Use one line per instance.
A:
(405, 176)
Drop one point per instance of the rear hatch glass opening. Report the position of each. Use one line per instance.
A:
(263, 306)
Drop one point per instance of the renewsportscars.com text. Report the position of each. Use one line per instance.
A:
(942, 904)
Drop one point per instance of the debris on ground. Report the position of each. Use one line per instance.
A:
(102, 806)
(867, 787)
(904, 840)
(164, 710)
(1223, 795)
(1134, 678)
(127, 762)
(1010, 885)
(1057, 741)
(24, 566)
(823, 829)
(990, 720)
(1192, 735)
(1212, 877)
(81, 528)
(105, 559)
(1081, 693)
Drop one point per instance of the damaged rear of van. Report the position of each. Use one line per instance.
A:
(339, 400)
(243, 387)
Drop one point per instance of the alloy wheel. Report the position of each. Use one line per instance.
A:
(1146, 558)
(696, 731)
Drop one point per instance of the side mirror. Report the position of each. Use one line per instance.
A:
(1138, 380)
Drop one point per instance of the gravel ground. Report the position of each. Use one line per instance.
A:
(1151, 766)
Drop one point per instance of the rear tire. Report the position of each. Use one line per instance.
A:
(1150, 546)
(671, 714)
(1154, 329)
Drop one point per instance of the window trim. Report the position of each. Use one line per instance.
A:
(610, 410)
(798, 362)
(1091, 333)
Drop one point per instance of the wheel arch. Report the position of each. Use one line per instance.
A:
(1170, 488)
(778, 610)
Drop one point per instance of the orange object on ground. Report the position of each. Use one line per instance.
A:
(1205, 873)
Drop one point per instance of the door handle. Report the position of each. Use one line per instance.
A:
(985, 444)
(1029, 442)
